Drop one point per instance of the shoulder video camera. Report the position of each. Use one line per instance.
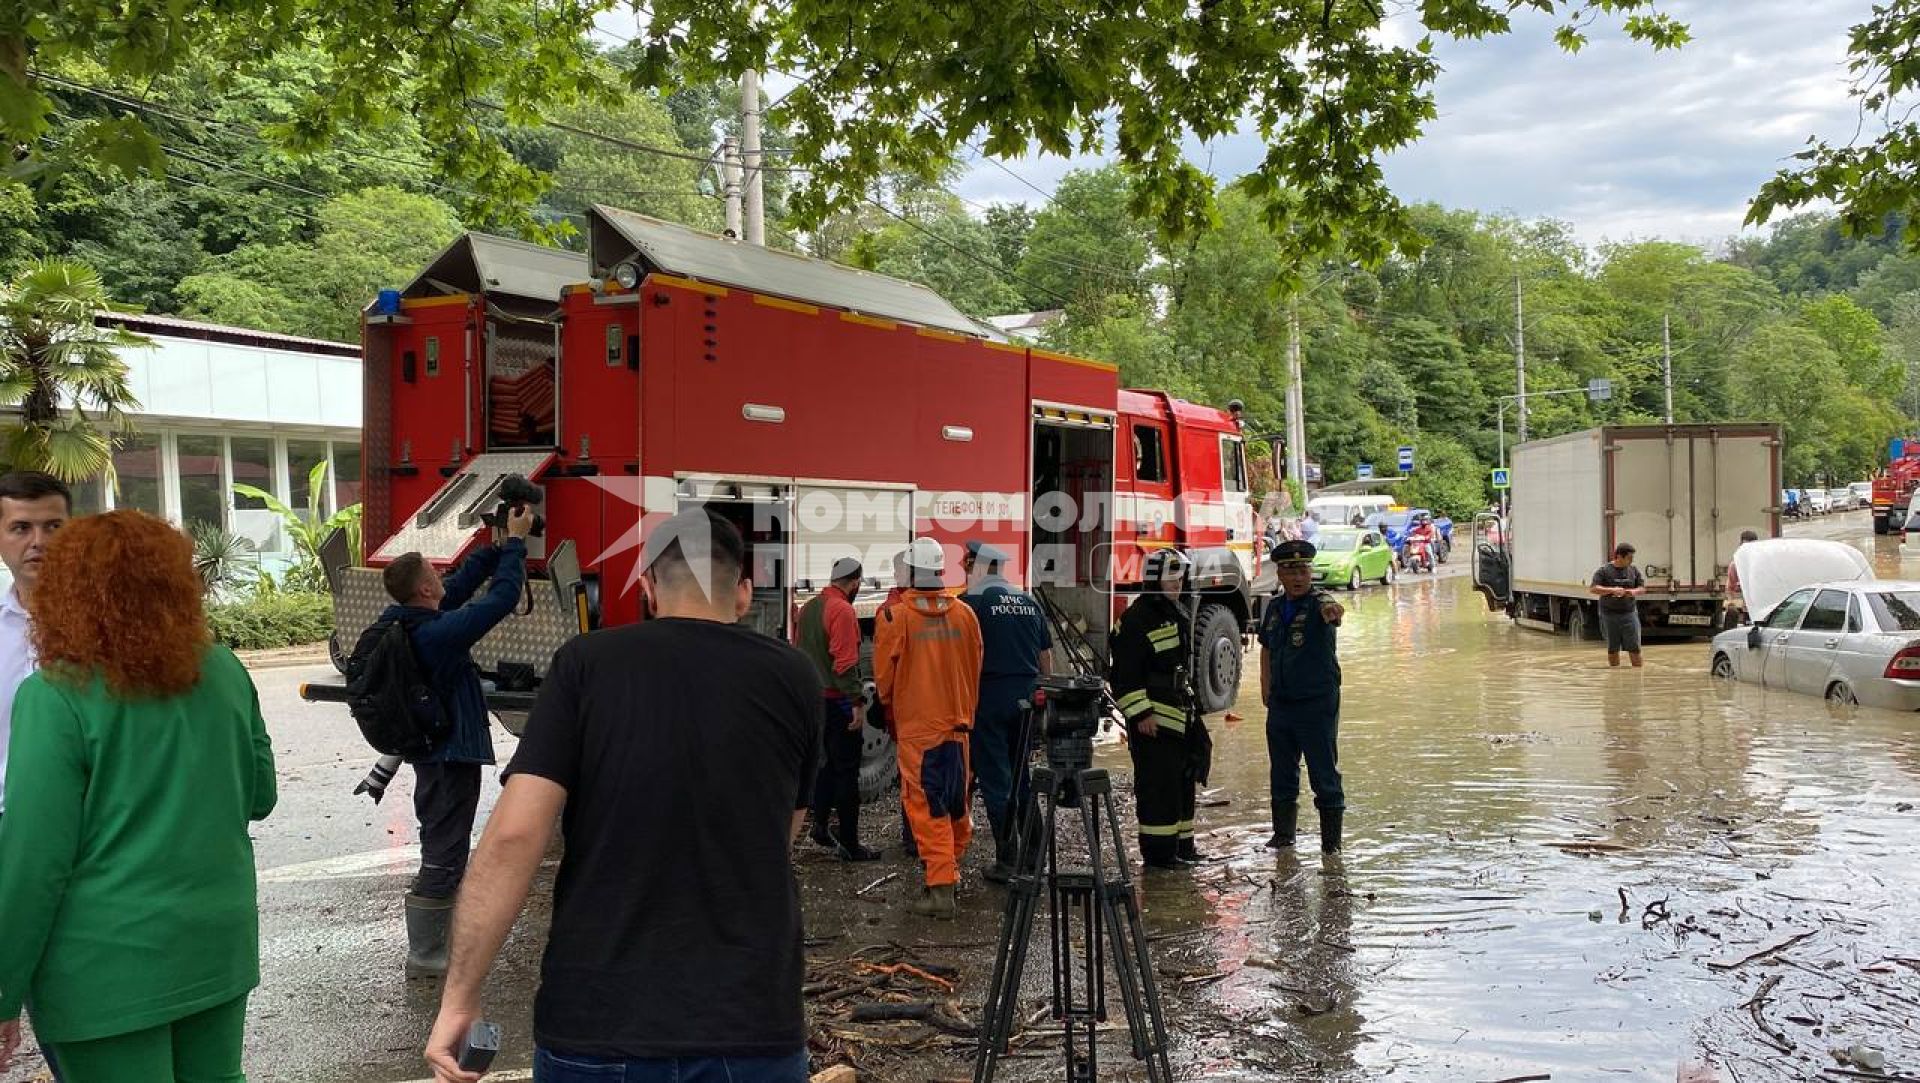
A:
(516, 492)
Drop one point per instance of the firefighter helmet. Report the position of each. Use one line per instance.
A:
(1164, 564)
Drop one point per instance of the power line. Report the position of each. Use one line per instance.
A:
(1004, 274)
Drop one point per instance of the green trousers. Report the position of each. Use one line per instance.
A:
(203, 1048)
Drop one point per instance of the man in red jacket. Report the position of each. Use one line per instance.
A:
(828, 633)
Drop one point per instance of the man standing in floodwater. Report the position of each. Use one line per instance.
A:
(1619, 585)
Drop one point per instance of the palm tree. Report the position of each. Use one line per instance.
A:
(56, 364)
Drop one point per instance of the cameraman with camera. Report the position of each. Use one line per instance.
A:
(445, 621)
(1150, 657)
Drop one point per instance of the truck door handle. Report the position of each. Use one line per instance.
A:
(1833, 643)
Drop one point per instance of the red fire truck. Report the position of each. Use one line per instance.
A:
(1893, 486)
(828, 411)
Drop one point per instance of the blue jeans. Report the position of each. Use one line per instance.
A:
(1306, 729)
(552, 1067)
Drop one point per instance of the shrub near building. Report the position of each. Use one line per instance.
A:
(268, 619)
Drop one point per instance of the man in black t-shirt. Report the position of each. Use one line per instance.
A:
(680, 750)
(1619, 584)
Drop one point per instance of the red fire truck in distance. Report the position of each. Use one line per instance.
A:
(828, 411)
(1894, 485)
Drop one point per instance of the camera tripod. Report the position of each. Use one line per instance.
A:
(1093, 921)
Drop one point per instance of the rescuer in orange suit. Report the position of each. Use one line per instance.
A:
(926, 660)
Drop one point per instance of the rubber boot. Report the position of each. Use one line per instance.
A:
(1330, 830)
(935, 902)
(1285, 815)
(427, 922)
(1189, 852)
(1002, 869)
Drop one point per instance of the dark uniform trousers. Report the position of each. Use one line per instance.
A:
(836, 789)
(1303, 703)
(1150, 654)
(446, 797)
(999, 763)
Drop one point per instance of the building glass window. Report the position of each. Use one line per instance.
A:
(136, 461)
(252, 464)
(203, 494)
(346, 469)
(89, 497)
(302, 455)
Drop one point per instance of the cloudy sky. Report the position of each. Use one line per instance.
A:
(1619, 140)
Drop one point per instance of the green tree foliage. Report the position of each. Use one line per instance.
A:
(889, 85)
(367, 240)
(1085, 243)
(62, 370)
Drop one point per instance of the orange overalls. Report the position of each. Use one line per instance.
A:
(926, 660)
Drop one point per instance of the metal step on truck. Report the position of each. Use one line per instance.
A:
(1680, 494)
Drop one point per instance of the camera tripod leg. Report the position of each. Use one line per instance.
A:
(1133, 966)
(1000, 1014)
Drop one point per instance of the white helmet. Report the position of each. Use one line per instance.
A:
(926, 555)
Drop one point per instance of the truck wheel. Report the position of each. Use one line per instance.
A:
(1216, 656)
(1580, 624)
(879, 765)
(1880, 525)
(336, 655)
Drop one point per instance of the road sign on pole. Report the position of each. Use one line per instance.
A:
(1502, 478)
(1406, 458)
(1363, 471)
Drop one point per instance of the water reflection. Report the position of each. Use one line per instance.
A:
(1543, 856)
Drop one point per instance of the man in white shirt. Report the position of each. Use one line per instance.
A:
(33, 507)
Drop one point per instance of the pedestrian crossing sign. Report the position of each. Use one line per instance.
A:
(1501, 478)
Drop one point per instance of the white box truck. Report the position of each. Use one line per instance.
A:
(1681, 494)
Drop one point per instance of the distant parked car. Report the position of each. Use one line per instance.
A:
(1817, 501)
(1393, 525)
(1348, 557)
(1842, 499)
(1862, 494)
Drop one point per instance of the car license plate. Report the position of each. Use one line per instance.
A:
(1688, 618)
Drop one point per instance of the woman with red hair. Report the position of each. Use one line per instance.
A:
(128, 914)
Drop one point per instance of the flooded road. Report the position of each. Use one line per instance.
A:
(1553, 870)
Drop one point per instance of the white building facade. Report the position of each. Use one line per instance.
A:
(220, 405)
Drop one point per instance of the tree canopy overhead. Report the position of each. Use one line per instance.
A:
(887, 87)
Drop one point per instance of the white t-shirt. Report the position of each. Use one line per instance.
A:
(16, 665)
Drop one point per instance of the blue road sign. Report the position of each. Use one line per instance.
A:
(1406, 459)
(1502, 478)
(1364, 471)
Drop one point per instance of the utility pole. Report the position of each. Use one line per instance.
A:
(1666, 362)
(1520, 353)
(752, 157)
(1296, 400)
(730, 183)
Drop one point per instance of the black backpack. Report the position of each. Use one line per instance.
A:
(389, 695)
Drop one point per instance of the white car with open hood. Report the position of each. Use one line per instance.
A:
(1823, 625)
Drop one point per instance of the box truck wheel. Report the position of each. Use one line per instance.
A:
(1581, 624)
(337, 656)
(1880, 525)
(1217, 651)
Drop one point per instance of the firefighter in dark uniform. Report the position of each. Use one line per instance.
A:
(1149, 678)
(1300, 686)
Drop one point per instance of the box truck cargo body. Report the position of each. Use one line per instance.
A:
(1680, 494)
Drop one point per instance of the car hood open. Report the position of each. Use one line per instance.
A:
(1773, 568)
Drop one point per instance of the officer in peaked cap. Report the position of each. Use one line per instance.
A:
(1300, 686)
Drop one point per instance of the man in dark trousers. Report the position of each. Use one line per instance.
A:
(445, 622)
(828, 633)
(681, 751)
(1619, 586)
(1300, 687)
(1151, 652)
(1017, 647)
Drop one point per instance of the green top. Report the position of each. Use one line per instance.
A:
(127, 896)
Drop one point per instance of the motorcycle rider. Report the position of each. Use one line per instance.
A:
(1423, 540)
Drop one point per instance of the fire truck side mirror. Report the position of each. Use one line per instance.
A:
(409, 367)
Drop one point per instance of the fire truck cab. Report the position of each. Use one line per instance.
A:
(827, 411)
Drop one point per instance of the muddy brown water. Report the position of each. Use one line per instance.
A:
(1553, 869)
